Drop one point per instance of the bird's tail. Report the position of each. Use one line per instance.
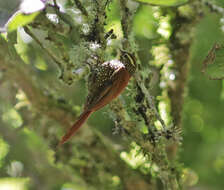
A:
(82, 118)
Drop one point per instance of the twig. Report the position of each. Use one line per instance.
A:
(81, 7)
(150, 100)
(99, 22)
(55, 59)
(62, 16)
(19, 73)
(126, 22)
(213, 7)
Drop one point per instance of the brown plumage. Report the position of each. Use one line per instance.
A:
(106, 82)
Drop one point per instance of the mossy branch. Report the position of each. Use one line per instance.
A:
(18, 72)
(81, 7)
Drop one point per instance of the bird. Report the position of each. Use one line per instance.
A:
(106, 81)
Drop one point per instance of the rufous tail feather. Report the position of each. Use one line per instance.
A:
(82, 118)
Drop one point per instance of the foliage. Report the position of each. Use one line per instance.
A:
(166, 129)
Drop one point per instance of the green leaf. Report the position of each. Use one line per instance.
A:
(20, 19)
(214, 63)
(7, 9)
(164, 2)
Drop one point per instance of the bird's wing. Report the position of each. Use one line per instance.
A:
(101, 92)
(98, 95)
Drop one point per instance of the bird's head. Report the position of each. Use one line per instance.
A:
(129, 60)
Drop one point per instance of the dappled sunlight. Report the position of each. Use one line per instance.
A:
(14, 183)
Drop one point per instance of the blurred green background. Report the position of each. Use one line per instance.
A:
(27, 160)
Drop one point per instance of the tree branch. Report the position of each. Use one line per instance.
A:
(17, 72)
(81, 7)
